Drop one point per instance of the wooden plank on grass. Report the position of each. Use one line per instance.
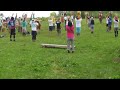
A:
(54, 46)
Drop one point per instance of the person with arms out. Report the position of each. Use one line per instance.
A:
(24, 26)
(58, 23)
(109, 23)
(92, 25)
(12, 28)
(78, 25)
(50, 25)
(70, 35)
(34, 30)
(116, 26)
(65, 19)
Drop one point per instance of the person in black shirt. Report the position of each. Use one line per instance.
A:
(58, 23)
(92, 24)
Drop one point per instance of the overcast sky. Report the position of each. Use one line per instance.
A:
(19, 13)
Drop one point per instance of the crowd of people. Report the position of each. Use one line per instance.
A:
(10, 24)
(21, 23)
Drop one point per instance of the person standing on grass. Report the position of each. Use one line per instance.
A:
(53, 23)
(12, 28)
(0, 25)
(34, 29)
(92, 25)
(100, 16)
(78, 25)
(39, 25)
(89, 20)
(50, 25)
(70, 35)
(65, 19)
(24, 26)
(116, 26)
(109, 23)
(58, 23)
(19, 28)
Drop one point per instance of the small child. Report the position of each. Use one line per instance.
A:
(92, 25)
(50, 24)
(116, 26)
(65, 19)
(70, 35)
(78, 25)
(34, 25)
(58, 23)
(88, 21)
(109, 23)
(12, 28)
(24, 26)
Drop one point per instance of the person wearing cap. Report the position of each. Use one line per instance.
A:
(116, 25)
(92, 24)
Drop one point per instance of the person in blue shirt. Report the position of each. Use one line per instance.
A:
(109, 23)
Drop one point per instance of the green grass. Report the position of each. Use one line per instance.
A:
(97, 56)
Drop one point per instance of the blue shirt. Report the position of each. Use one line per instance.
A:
(110, 21)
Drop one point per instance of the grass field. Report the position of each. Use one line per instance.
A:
(96, 56)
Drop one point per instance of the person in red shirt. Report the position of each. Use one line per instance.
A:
(70, 35)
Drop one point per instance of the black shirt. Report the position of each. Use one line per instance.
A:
(58, 24)
(92, 22)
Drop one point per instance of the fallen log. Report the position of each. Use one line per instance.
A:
(54, 46)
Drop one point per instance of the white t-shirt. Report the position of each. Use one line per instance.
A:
(50, 22)
(65, 18)
(116, 24)
(34, 26)
(106, 20)
(78, 22)
(72, 17)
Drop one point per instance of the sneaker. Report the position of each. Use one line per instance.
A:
(68, 51)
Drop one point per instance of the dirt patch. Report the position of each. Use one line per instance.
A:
(117, 59)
